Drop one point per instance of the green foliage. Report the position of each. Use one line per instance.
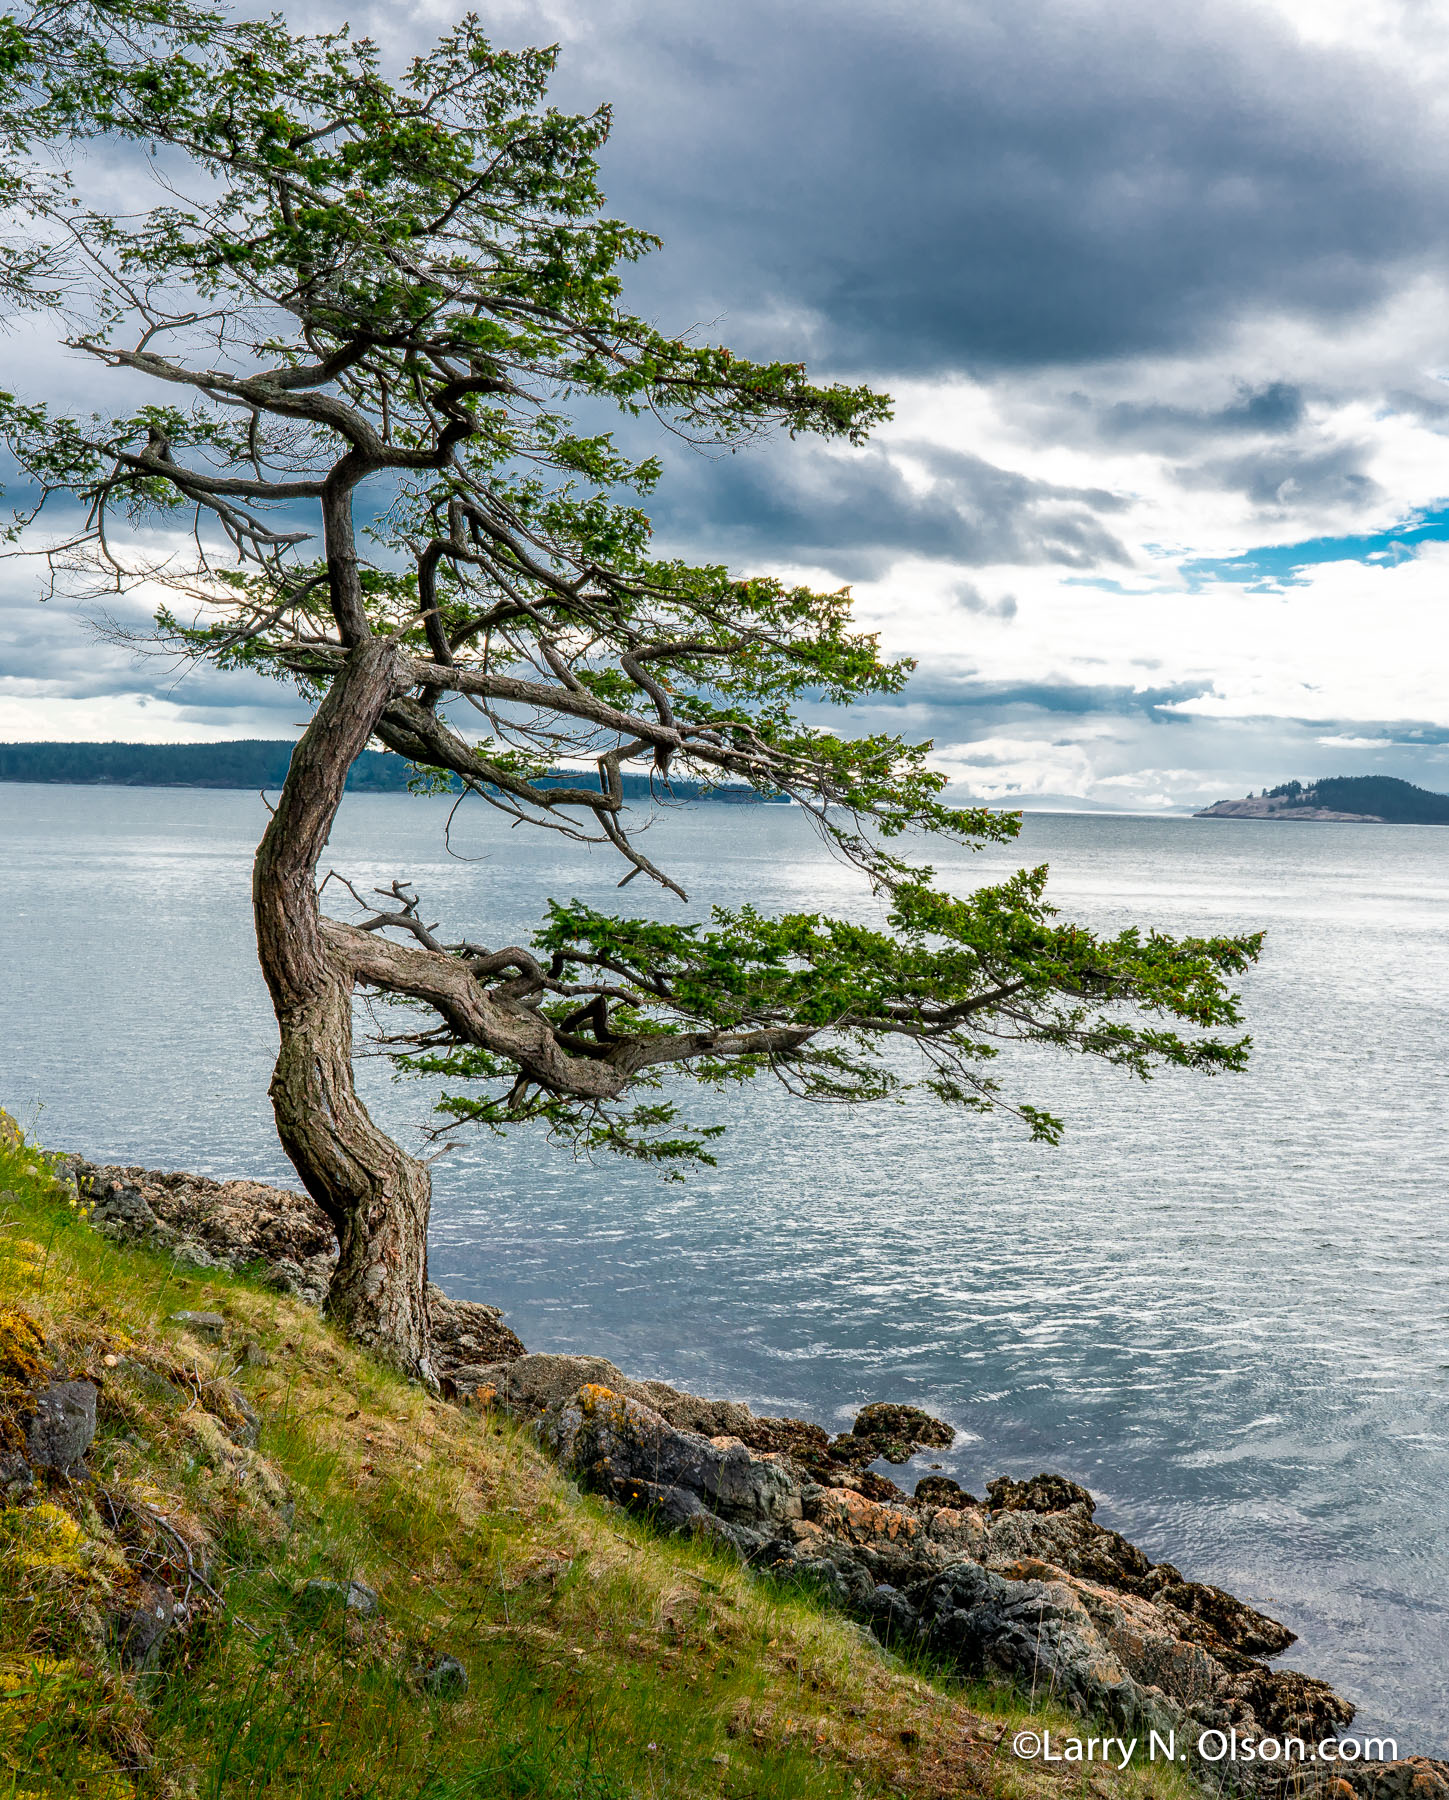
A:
(410, 279)
(1375, 796)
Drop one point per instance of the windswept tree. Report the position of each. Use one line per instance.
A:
(380, 320)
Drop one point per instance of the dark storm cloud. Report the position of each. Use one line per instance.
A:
(1290, 477)
(991, 704)
(1272, 411)
(1005, 183)
(857, 514)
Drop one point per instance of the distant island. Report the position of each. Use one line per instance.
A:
(262, 763)
(1368, 799)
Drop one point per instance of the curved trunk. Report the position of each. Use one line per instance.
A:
(377, 1196)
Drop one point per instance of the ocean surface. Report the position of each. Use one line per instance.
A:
(1221, 1304)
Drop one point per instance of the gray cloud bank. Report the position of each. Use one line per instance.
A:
(1005, 184)
(1028, 192)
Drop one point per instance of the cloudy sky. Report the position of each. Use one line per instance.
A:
(1161, 296)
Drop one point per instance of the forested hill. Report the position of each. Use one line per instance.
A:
(253, 763)
(1382, 799)
(248, 763)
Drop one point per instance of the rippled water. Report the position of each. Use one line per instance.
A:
(1220, 1304)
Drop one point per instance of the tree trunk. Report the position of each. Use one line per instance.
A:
(377, 1196)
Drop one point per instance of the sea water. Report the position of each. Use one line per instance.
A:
(1221, 1304)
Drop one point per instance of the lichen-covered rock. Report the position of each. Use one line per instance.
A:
(615, 1443)
(1035, 1631)
(530, 1384)
(940, 1490)
(62, 1425)
(1410, 1778)
(202, 1324)
(467, 1338)
(1041, 1493)
(885, 1431)
(1071, 1540)
(237, 1225)
(211, 1224)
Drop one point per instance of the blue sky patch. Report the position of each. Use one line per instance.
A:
(1277, 565)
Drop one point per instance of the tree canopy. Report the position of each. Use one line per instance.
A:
(381, 318)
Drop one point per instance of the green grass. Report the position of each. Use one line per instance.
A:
(603, 1662)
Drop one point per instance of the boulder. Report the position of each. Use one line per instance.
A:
(530, 1384)
(1037, 1632)
(940, 1490)
(1071, 1540)
(467, 1338)
(624, 1448)
(61, 1426)
(884, 1431)
(1042, 1493)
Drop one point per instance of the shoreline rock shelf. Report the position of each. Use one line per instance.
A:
(1024, 1585)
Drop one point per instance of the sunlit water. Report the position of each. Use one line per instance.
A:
(1220, 1304)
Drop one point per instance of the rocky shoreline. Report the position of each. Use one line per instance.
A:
(1023, 1584)
(1260, 807)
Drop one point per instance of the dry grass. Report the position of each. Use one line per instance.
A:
(603, 1662)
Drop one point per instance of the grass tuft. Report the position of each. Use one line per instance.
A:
(603, 1663)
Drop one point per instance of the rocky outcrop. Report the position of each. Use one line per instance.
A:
(1027, 1586)
(284, 1235)
(232, 1225)
(1267, 807)
(1024, 1585)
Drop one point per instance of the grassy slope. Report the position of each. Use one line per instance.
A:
(602, 1661)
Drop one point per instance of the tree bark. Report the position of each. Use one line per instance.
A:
(377, 1197)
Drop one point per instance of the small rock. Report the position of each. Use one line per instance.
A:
(64, 1422)
(15, 1476)
(121, 1206)
(204, 1324)
(189, 1253)
(253, 1356)
(156, 1387)
(445, 1678)
(139, 1633)
(248, 1431)
(318, 1596)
